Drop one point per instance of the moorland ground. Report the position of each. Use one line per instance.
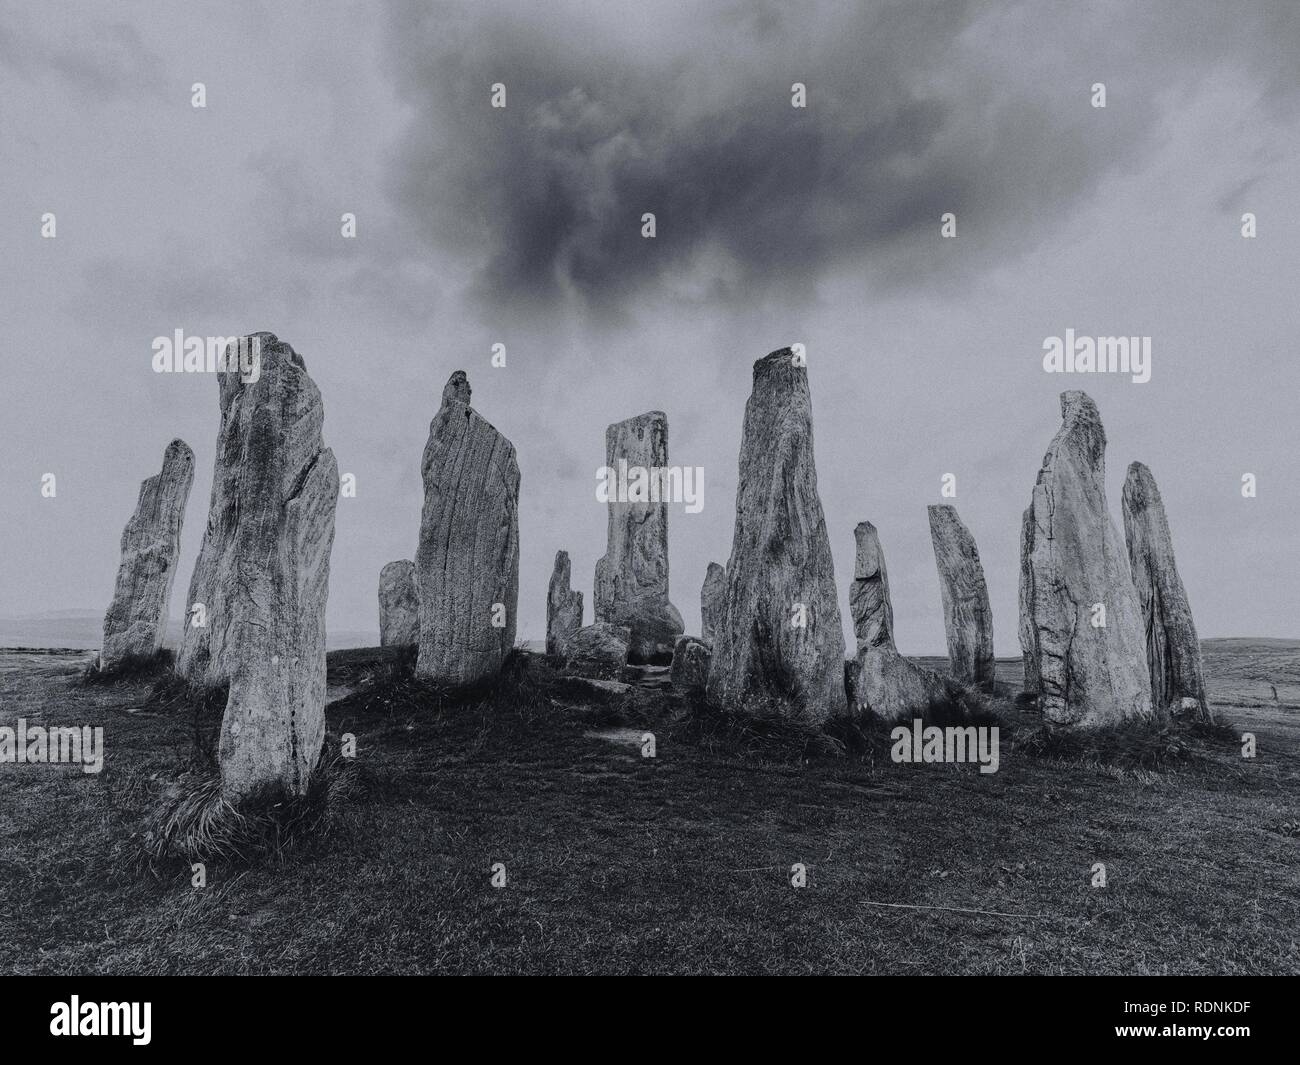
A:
(618, 863)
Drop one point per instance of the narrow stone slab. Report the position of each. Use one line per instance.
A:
(136, 621)
(967, 616)
(563, 606)
(712, 595)
(399, 605)
(1173, 649)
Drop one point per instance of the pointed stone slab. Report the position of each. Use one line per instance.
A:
(967, 616)
(136, 621)
(563, 606)
(712, 595)
(1173, 650)
(399, 605)
(780, 572)
(632, 576)
(263, 576)
(885, 684)
(1073, 563)
(467, 564)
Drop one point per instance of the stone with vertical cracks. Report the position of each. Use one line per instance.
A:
(711, 599)
(967, 617)
(886, 684)
(263, 576)
(632, 576)
(467, 564)
(136, 621)
(780, 638)
(1173, 650)
(399, 605)
(563, 606)
(1075, 574)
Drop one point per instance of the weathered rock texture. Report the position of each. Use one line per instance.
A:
(780, 571)
(136, 621)
(599, 650)
(1073, 562)
(967, 617)
(712, 595)
(263, 576)
(1173, 650)
(632, 576)
(690, 667)
(1028, 633)
(563, 606)
(468, 559)
(399, 605)
(885, 684)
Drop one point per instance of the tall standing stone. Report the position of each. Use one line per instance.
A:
(136, 621)
(780, 634)
(712, 595)
(886, 684)
(1028, 633)
(632, 576)
(1083, 626)
(967, 616)
(563, 606)
(1173, 650)
(263, 575)
(468, 560)
(399, 605)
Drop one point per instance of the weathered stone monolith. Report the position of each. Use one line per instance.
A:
(1173, 650)
(1082, 636)
(136, 621)
(690, 669)
(780, 641)
(262, 579)
(886, 684)
(399, 605)
(632, 576)
(563, 606)
(967, 617)
(712, 595)
(467, 564)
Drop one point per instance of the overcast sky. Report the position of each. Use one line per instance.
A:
(775, 225)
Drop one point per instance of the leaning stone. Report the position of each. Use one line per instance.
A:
(136, 621)
(632, 576)
(780, 637)
(399, 605)
(967, 616)
(467, 564)
(563, 606)
(1173, 649)
(1083, 626)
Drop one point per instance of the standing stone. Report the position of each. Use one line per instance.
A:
(1074, 576)
(690, 669)
(468, 559)
(136, 621)
(885, 684)
(399, 605)
(632, 577)
(1028, 633)
(780, 636)
(563, 606)
(1173, 650)
(967, 617)
(263, 576)
(711, 599)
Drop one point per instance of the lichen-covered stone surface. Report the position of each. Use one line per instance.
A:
(399, 605)
(563, 606)
(967, 616)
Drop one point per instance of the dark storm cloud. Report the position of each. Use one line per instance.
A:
(913, 110)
